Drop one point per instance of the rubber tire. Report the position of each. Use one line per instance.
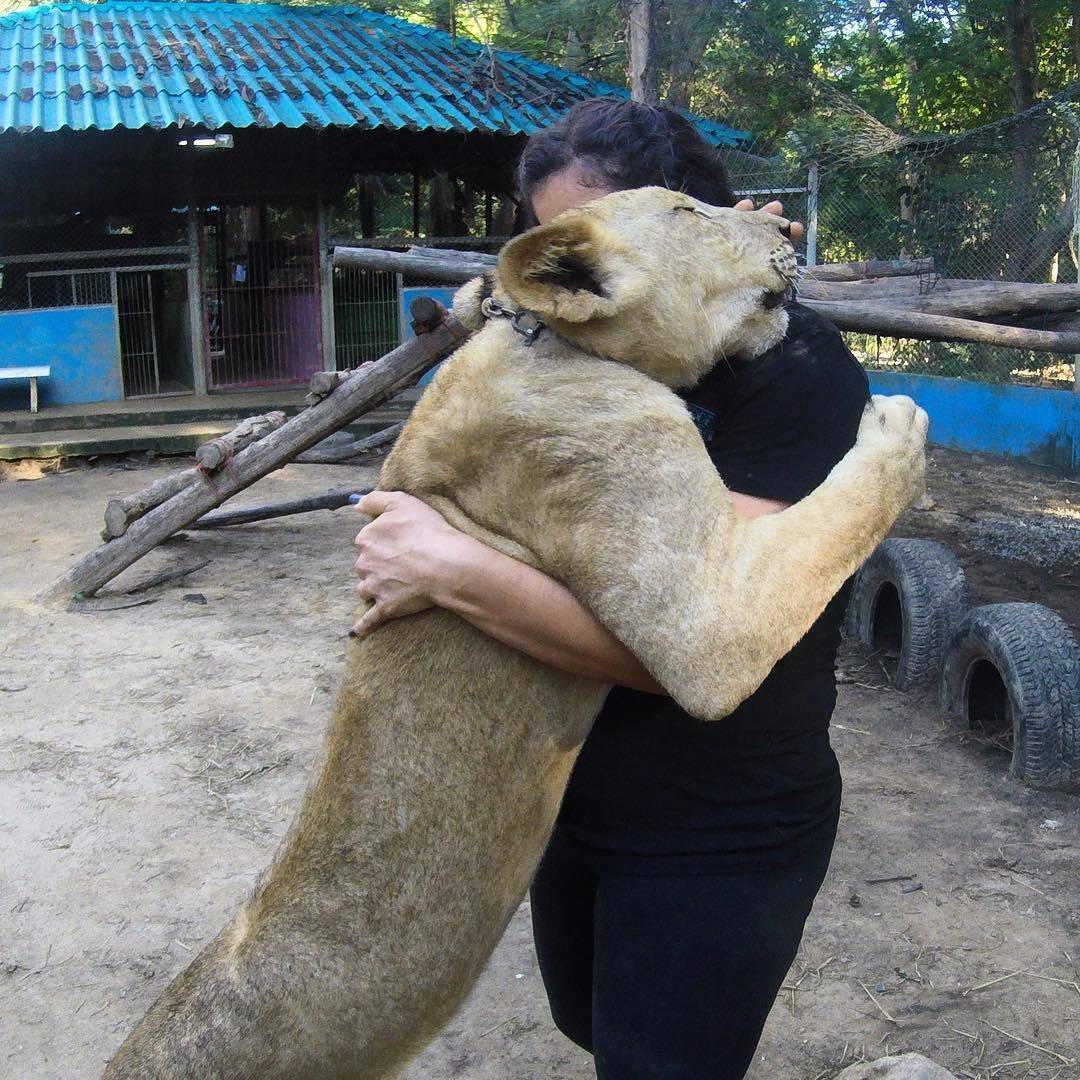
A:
(933, 597)
(1038, 660)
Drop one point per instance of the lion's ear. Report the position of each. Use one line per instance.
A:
(572, 269)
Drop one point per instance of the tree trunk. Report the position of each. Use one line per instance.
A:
(1074, 35)
(690, 33)
(1033, 261)
(120, 513)
(573, 54)
(443, 211)
(365, 199)
(909, 180)
(640, 32)
(1023, 86)
(872, 37)
(502, 224)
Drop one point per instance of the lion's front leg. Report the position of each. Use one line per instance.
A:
(783, 569)
(709, 602)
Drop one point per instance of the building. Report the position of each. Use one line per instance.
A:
(173, 176)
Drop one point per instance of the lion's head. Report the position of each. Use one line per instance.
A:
(654, 279)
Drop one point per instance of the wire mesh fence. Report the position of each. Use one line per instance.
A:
(981, 213)
(998, 203)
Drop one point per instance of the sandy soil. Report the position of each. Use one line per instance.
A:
(151, 756)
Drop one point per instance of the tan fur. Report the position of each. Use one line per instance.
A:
(447, 753)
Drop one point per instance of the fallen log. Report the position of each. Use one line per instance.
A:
(332, 500)
(344, 452)
(993, 300)
(120, 513)
(450, 265)
(1058, 321)
(869, 268)
(883, 288)
(899, 323)
(369, 387)
(438, 265)
(917, 314)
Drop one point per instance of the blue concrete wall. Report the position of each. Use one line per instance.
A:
(989, 418)
(78, 343)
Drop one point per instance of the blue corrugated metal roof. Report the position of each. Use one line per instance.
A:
(137, 64)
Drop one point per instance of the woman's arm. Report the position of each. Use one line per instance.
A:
(411, 559)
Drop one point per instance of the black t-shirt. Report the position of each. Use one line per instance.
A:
(655, 790)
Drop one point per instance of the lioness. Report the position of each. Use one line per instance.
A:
(447, 752)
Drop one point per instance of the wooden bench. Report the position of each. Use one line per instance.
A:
(31, 373)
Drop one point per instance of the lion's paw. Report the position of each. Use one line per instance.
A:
(892, 438)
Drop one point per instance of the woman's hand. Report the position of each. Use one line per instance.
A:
(411, 560)
(798, 231)
(406, 551)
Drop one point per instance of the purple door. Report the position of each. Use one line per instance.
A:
(260, 273)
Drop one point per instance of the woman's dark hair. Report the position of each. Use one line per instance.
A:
(624, 144)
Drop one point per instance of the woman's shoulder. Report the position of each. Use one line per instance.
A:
(811, 360)
(814, 342)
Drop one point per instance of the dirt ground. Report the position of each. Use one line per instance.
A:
(150, 758)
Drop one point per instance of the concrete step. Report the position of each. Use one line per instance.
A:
(161, 438)
(181, 409)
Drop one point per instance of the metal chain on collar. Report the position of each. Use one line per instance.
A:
(523, 322)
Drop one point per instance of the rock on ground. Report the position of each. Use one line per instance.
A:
(901, 1067)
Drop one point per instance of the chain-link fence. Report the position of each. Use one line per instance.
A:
(999, 203)
(989, 206)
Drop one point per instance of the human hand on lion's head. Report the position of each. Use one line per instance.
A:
(651, 278)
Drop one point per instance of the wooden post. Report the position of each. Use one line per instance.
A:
(326, 291)
(369, 387)
(196, 316)
(813, 191)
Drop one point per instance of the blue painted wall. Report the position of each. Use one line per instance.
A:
(78, 343)
(1010, 421)
(445, 296)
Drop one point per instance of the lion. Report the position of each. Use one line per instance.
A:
(565, 446)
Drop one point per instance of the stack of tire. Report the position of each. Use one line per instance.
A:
(1013, 666)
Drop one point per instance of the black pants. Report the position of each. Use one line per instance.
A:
(667, 977)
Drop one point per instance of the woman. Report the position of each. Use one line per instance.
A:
(672, 897)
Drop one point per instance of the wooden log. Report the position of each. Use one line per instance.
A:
(460, 267)
(895, 322)
(343, 452)
(332, 500)
(884, 288)
(961, 298)
(447, 264)
(368, 388)
(999, 298)
(1058, 321)
(869, 268)
(120, 513)
(213, 454)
